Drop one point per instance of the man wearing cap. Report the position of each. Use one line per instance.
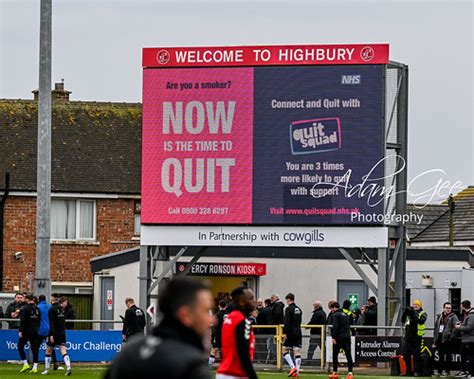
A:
(414, 319)
(370, 316)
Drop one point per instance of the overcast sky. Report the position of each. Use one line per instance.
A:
(97, 50)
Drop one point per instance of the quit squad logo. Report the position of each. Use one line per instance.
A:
(315, 136)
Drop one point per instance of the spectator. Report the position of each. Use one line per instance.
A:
(318, 318)
(175, 347)
(442, 339)
(259, 305)
(355, 316)
(264, 314)
(70, 314)
(277, 314)
(2, 315)
(13, 311)
(253, 317)
(216, 332)
(370, 317)
(329, 319)
(467, 340)
(414, 319)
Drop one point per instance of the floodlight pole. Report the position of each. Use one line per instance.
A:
(43, 186)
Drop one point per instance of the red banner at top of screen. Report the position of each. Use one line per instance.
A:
(163, 57)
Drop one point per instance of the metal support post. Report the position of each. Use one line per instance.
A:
(43, 206)
(144, 278)
(401, 198)
(383, 282)
(359, 270)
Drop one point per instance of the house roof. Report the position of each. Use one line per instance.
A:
(96, 147)
(430, 213)
(463, 221)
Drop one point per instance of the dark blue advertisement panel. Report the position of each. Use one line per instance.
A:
(318, 144)
(82, 345)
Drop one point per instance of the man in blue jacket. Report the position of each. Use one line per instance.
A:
(43, 333)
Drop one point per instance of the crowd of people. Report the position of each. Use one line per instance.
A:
(40, 322)
(187, 321)
(452, 334)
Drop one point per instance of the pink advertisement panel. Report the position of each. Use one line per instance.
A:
(197, 146)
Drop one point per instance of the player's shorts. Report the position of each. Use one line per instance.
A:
(216, 343)
(59, 340)
(293, 342)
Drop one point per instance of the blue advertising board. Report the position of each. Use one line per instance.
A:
(82, 345)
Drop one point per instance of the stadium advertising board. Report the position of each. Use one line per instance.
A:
(82, 345)
(282, 135)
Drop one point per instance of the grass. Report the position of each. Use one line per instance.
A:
(11, 371)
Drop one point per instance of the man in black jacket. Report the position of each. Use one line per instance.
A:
(318, 318)
(414, 319)
(134, 321)
(341, 338)
(277, 315)
(370, 316)
(29, 326)
(174, 349)
(13, 310)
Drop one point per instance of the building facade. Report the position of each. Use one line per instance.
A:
(95, 207)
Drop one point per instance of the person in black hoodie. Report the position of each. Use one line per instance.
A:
(318, 318)
(341, 338)
(414, 319)
(370, 316)
(29, 326)
(174, 349)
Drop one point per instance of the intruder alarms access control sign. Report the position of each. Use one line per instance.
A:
(229, 139)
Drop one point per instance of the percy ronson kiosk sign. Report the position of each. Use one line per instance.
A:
(223, 269)
(279, 138)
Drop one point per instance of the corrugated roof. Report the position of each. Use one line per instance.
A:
(96, 147)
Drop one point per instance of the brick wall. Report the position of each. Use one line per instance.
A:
(70, 262)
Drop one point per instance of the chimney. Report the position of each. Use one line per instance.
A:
(57, 94)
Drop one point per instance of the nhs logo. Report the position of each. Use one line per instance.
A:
(350, 79)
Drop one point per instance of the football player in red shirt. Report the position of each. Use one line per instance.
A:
(238, 341)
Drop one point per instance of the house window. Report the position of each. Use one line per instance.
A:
(137, 219)
(73, 219)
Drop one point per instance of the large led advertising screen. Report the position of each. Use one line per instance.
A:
(296, 144)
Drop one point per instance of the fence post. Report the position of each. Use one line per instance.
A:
(323, 346)
(279, 339)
